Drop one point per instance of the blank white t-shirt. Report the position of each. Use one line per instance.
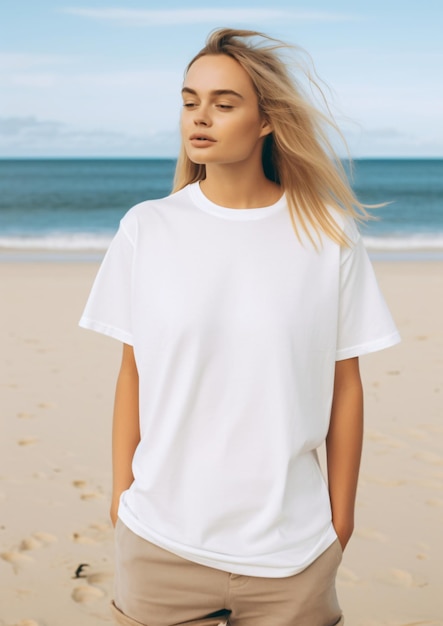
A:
(236, 328)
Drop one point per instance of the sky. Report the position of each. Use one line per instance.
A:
(103, 79)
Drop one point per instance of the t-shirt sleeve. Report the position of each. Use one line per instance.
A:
(108, 309)
(364, 321)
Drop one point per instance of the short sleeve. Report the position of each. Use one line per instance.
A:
(108, 309)
(364, 321)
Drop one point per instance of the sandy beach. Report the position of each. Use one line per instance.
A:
(57, 392)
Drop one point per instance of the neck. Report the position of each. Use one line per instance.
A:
(239, 187)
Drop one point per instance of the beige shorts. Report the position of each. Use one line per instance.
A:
(154, 587)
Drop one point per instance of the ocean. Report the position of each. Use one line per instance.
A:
(73, 206)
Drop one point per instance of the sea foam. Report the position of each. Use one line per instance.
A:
(99, 242)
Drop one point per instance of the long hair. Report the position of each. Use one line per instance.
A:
(298, 154)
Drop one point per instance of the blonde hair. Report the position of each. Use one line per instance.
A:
(298, 153)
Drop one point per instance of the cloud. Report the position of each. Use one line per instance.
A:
(17, 126)
(390, 141)
(168, 17)
(387, 134)
(30, 136)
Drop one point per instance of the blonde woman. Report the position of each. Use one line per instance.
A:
(243, 301)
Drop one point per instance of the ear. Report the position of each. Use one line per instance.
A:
(266, 128)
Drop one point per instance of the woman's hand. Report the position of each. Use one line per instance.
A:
(344, 532)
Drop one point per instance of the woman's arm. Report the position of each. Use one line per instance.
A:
(125, 430)
(344, 446)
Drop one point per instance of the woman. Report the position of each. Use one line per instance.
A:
(243, 301)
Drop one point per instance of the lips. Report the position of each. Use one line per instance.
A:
(201, 137)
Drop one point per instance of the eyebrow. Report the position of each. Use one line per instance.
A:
(215, 92)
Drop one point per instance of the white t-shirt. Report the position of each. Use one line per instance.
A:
(236, 329)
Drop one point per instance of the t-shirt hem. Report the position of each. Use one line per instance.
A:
(365, 348)
(104, 329)
(242, 565)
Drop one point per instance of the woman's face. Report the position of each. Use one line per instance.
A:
(220, 122)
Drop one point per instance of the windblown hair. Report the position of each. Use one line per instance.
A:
(298, 154)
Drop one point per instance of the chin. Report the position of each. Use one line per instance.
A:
(196, 159)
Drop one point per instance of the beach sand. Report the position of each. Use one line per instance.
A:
(57, 391)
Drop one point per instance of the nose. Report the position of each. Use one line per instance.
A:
(202, 117)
